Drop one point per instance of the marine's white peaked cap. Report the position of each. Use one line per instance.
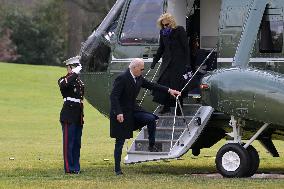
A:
(73, 60)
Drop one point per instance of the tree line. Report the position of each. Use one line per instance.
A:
(48, 32)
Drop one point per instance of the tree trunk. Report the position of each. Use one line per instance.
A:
(74, 31)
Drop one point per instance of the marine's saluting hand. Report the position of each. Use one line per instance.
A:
(77, 69)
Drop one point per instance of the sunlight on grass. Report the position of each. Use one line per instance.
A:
(31, 146)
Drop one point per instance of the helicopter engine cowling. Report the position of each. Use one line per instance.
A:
(247, 93)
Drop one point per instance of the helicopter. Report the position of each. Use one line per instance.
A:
(237, 54)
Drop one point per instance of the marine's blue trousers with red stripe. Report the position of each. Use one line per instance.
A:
(71, 146)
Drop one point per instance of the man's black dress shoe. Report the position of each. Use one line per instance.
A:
(117, 173)
(153, 149)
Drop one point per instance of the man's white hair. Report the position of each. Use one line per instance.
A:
(135, 62)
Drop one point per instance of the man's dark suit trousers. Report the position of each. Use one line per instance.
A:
(141, 118)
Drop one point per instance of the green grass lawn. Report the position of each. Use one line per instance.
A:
(30, 133)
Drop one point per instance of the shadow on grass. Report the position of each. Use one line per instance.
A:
(172, 169)
(189, 169)
(94, 171)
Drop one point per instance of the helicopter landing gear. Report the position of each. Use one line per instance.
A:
(232, 160)
(235, 159)
(254, 161)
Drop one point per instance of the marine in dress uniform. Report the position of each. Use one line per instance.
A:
(71, 115)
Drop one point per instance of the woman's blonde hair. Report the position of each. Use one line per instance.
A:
(169, 17)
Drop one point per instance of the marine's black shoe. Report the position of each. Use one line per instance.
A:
(73, 172)
(76, 172)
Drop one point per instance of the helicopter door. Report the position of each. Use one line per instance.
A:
(178, 8)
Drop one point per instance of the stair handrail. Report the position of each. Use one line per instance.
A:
(185, 84)
(174, 123)
(144, 95)
(177, 98)
(198, 68)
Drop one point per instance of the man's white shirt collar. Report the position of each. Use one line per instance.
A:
(132, 75)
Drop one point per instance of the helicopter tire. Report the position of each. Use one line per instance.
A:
(232, 160)
(254, 161)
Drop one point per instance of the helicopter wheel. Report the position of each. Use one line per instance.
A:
(232, 160)
(254, 161)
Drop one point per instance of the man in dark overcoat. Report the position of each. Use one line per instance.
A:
(71, 115)
(125, 115)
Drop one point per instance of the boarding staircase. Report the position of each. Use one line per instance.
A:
(174, 135)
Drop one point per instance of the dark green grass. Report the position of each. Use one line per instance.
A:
(30, 133)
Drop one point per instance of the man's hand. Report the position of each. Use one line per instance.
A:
(174, 92)
(120, 118)
(77, 69)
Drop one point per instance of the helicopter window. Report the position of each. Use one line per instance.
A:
(271, 37)
(110, 31)
(140, 22)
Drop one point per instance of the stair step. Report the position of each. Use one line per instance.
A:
(188, 109)
(162, 145)
(168, 121)
(192, 100)
(183, 139)
(147, 153)
(172, 117)
(192, 105)
(164, 133)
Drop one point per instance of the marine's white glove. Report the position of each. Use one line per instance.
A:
(77, 69)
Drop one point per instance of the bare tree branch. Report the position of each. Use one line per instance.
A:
(94, 5)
